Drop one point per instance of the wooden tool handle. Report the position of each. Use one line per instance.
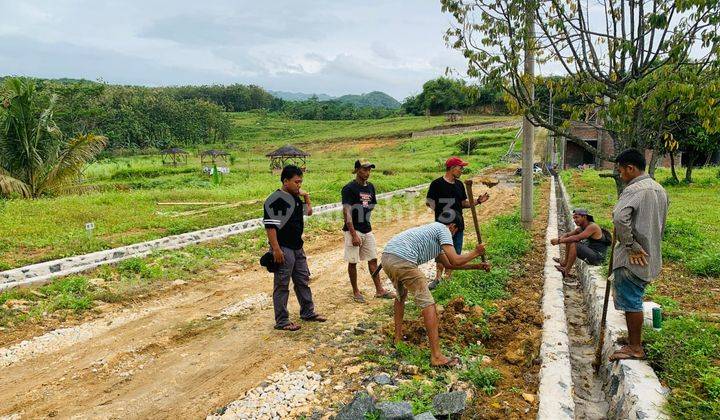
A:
(471, 197)
(603, 319)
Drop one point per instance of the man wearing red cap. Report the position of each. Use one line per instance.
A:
(447, 197)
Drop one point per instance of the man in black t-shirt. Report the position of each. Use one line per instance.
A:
(358, 199)
(447, 197)
(284, 224)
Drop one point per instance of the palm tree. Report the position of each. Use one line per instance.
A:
(35, 158)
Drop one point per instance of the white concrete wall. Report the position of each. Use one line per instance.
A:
(555, 393)
(632, 388)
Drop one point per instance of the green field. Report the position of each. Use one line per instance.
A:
(686, 352)
(261, 129)
(122, 192)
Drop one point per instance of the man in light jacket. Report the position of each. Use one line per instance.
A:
(639, 219)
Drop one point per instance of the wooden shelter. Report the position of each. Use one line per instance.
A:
(174, 156)
(287, 155)
(213, 156)
(453, 115)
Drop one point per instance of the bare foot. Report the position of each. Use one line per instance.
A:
(444, 362)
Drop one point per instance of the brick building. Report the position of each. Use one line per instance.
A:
(598, 138)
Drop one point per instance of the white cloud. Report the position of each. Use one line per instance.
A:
(321, 46)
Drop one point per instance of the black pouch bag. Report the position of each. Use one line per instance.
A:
(268, 261)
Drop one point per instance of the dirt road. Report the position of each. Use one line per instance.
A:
(177, 357)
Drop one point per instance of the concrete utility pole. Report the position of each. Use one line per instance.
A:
(551, 136)
(526, 197)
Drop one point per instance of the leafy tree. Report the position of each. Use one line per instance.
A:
(233, 98)
(314, 109)
(610, 62)
(443, 94)
(35, 157)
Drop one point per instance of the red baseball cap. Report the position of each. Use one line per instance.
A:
(455, 161)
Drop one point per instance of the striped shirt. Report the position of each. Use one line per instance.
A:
(639, 219)
(420, 244)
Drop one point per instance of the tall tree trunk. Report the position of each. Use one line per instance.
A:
(654, 159)
(688, 171)
(672, 167)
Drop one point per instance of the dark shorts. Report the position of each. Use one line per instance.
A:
(589, 255)
(458, 241)
(628, 290)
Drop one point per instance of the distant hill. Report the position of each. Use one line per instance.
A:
(298, 96)
(373, 100)
(366, 100)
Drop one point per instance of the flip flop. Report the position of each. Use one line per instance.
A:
(451, 363)
(624, 354)
(315, 318)
(359, 299)
(387, 295)
(288, 327)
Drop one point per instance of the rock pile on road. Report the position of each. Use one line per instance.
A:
(279, 397)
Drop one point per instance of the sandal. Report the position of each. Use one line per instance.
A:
(625, 353)
(451, 363)
(315, 318)
(288, 327)
(359, 299)
(387, 295)
(556, 259)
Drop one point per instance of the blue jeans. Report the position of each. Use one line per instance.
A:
(628, 290)
(458, 241)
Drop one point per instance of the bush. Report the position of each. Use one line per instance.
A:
(468, 145)
(484, 378)
(137, 266)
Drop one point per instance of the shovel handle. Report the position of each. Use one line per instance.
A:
(606, 301)
(471, 197)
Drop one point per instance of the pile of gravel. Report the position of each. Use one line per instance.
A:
(259, 301)
(280, 396)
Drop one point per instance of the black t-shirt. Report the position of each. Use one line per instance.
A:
(447, 197)
(362, 200)
(284, 212)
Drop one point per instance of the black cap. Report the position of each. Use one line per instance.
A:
(583, 212)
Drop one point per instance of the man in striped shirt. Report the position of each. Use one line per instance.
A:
(639, 219)
(400, 260)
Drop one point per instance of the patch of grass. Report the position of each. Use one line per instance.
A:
(686, 356)
(419, 393)
(484, 378)
(668, 304)
(139, 266)
(71, 294)
(705, 263)
(412, 355)
(507, 241)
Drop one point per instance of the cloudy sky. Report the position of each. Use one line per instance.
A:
(313, 46)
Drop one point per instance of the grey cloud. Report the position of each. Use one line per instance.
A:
(27, 57)
(382, 50)
(319, 46)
